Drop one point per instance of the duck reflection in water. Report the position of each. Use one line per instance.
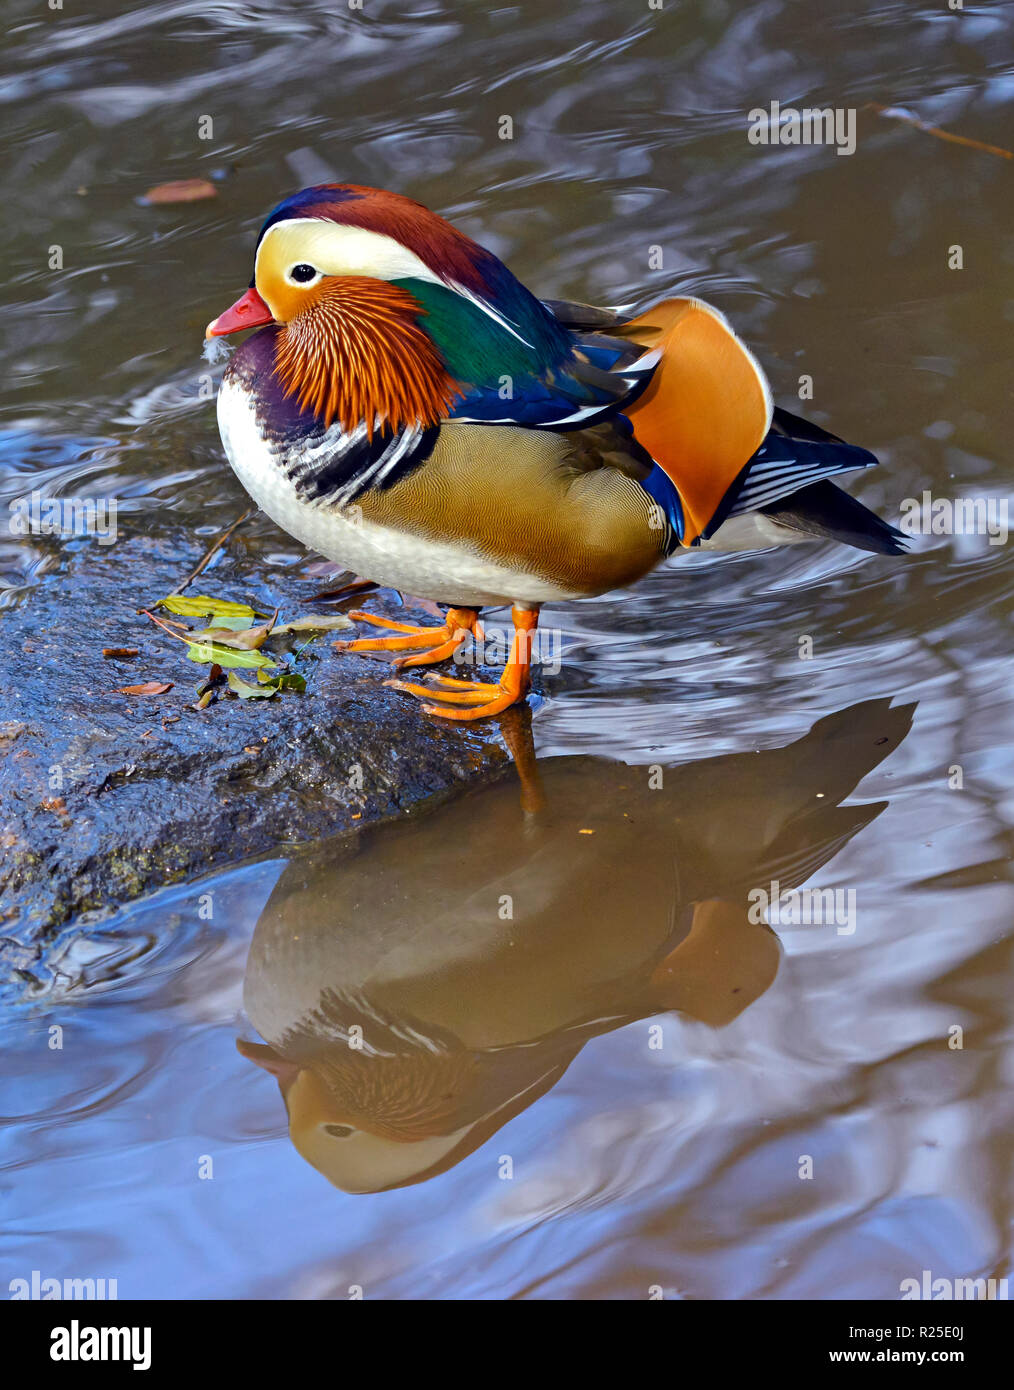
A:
(420, 984)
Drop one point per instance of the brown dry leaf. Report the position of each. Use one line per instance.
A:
(249, 640)
(181, 191)
(119, 651)
(213, 678)
(354, 586)
(148, 688)
(426, 604)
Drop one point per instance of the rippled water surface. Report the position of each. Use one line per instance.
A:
(593, 1075)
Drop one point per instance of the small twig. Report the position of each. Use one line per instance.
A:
(216, 545)
(166, 628)
(895, 113)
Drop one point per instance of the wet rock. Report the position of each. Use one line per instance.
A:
(105, 796)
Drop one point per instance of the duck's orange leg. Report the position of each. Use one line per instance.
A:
(442, 641)
(479, 699)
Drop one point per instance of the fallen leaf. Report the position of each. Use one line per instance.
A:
(354, 584)
(291, 680)
(205, 700)
(426, 604)
(119, 651)
(250, 692)
(181, 191)
(230, 623)
(226, 656)
(288, 680)
(316, 622)
(224, 613)
(213, 677)
(148, 688)
(247, 640)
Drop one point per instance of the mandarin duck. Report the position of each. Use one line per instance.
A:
(410, 409)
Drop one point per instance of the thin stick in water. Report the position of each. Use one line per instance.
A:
(216, 545)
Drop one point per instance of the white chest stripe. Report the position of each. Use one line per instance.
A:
(438, 570)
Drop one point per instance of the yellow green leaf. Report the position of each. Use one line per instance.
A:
(226, 656)
(223, 612)
(246, 691)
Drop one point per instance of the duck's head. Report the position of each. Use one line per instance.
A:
(370, 1123)
(374, 294)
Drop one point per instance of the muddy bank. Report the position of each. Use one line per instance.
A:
(105, 796)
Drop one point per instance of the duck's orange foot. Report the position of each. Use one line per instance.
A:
(441, 642)
(467, 699)
(480, 699)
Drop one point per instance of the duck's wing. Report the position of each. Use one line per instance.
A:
(707, 407)
(708, 420)
(533, 371)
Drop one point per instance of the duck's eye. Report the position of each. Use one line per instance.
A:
(302, 273)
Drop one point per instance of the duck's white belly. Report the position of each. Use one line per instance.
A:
(397, 559)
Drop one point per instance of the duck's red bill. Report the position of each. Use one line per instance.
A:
(250, 311)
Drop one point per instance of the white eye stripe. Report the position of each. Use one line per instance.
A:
(339, 250)
(344, 250)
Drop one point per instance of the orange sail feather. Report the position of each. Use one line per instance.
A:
(707, 409)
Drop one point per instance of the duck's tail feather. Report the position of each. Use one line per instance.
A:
(787, 480)
(781, 467)
(822, 509)
(795, 427)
